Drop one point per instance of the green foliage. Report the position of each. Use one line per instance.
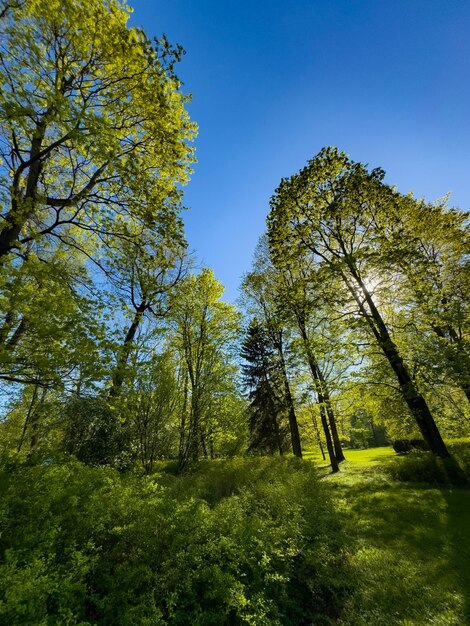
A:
(423, 467)
(205, 330)
(93, 124)
(252, 542)
(93, 433)
(151, 407)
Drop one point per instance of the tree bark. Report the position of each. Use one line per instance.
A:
(120, 372)
(18, 215)
(293, 425)
(34, 423)
(414, 400)
(317, 432)
(326, 430)
(28, 416)
(322, 388)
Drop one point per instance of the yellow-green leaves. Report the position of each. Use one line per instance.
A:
(93, 123)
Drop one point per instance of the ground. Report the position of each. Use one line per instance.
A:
(409, 545)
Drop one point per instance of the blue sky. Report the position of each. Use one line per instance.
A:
(274, 82)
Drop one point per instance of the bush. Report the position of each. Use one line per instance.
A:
(402, 446)
(94, 434)
(245, 541)
(425, 467)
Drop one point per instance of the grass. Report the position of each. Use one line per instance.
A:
(409, 545)
(362, 458)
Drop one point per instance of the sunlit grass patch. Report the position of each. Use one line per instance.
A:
(369, 456)
(409, 546)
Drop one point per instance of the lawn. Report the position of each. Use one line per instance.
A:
(356, 458)
(409, 545)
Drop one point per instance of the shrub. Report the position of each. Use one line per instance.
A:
(425, 467)
(407, 445)
(245, 541)
(94, 434)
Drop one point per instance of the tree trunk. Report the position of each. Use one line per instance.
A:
(322, 389)
(329, 442)
(294, 427)
(120, 372)
(18, 215)
(317, 432)
(34, 423)
(331, 418)
(28, 416)
(414, 400)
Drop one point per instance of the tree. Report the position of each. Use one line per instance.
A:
(260, 288)
(331, 209)
(145, 278)
(301, 294)
(204, 332)
(93, 130)
(261, 378)
(53, 327)
(427, 245)
(94, 147)
(151, 406)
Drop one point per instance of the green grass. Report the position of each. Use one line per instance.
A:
(363, 458)
(409, 545)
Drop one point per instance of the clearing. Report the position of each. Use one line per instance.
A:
(410, 544)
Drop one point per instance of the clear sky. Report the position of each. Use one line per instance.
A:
(387, 81)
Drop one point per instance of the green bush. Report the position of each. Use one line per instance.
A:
(236, 542)
(402, 446)
(425, 467)
(94, 434)
(460, 449)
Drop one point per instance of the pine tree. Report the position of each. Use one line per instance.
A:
(260, 375)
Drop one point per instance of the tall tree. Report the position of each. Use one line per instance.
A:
(260, 287)
(204, 332)
(331, 208)
(261, 377)
(297, 290)
(93, 130)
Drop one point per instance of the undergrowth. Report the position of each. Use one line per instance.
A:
(235, 542)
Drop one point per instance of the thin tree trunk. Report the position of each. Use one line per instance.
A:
(120, 372)
(203, 444)
(278, 436)
(34, 421)
(183, 418)
(317, 432)
(326, 430)
(293, 425)
(28, 417)
(331, 417)
(321, 401)
(322, 387)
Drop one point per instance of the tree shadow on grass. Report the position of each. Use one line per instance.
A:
(411, 551)
(458, 537)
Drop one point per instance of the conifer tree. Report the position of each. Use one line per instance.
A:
(265, 409)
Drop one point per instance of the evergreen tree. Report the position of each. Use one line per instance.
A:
(260, 375)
